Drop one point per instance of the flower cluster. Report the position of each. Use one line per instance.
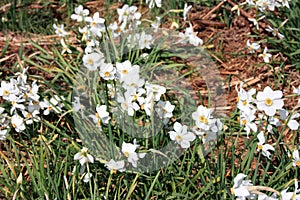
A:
(24, 104)
(133, 94)
(244, 189)
(262, 6)
(268, 102)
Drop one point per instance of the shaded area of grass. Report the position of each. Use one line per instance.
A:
(34, 16)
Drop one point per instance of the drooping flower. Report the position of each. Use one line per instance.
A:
(240, 187)
(296, 158)
(101, 115)
(190, 36)
(186, 10)
(269, 101)
(245, 99)
(151, 3)
(65, 47)
(115, 166)
(261, 146)
(128, 149)
(17, 123)
(87, 177)
(155, 90)
(289, 120)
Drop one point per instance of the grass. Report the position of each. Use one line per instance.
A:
(38, 163)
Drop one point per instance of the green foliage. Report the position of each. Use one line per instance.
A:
(290, 45)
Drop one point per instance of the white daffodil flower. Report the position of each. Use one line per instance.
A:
(96, 21)
(253, 47)
(87, 177)
(285, 3)
(269, 101)
(285, 118)
(297, 92)
(65, 47)
(107, 71)
(165, 110)
(124, 68)
(85, 32)
(3, 134)
(181, 135)
(8, 90)
(261, 146)
(17, 123)
(59, 30)
(265, 55)
(145, 40)
(296, 158)
(115, 166)
(274, 32)
(246, 119)
(202, 117)
(84, 157)
(240, 187)
(51, 105)
(186, 10)
(101, 115)
(127, 14)
(127, 104)
(245, 99)
(129, 149)
(151, 3)
(155, 90)
(80, 13)
(93, 60)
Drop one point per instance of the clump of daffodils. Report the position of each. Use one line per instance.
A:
(131, 95)
(264, 113)
(23, 105)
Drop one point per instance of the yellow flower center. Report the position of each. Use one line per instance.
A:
(298, 163)
(268, 101)
(94, 24)
(90, 61)
(50, 108)
(6, 92)
(126, 154)
(201, 118)
(13, 125)
(244, 122)
(142, 107)
(28, 115)
(232, 191)
(124, 71)
(134, 97)
(244, 102)
(259, 147)
(107, 74)
(283, 122)
(178, 138)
